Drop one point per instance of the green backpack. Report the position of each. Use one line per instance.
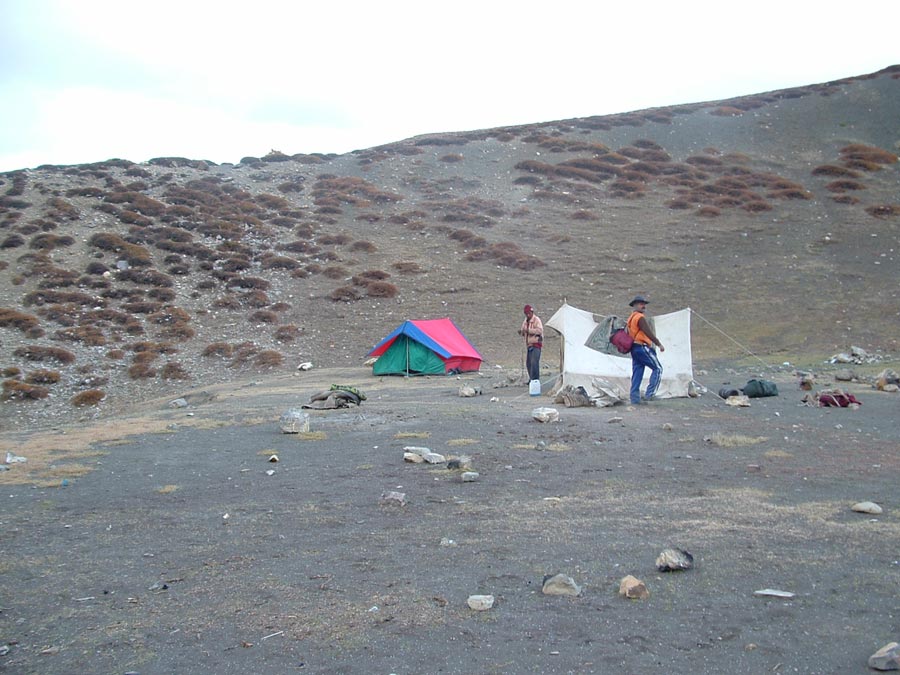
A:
(760, 388)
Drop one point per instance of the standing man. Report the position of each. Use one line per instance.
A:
(533, 331)
(643, 353)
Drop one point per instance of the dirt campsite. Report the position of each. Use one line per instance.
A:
(159, 318)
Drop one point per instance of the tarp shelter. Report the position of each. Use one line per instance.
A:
(425, 347)
(587, 355)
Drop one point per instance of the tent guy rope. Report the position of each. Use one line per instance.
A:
(746, 349)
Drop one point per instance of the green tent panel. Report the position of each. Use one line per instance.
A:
(407, 355)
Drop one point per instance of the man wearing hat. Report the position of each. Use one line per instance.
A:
(643, 353)
(533, 331)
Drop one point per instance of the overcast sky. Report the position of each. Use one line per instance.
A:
(88, 80)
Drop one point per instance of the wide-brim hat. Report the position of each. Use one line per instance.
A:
(637, 299)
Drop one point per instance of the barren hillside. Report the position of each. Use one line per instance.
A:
(774, 216)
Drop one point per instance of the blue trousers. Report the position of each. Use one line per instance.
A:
(533, 363)
(644, 357)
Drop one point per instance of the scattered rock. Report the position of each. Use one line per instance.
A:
(461, 462)
(674, 559)
(615, 420)
(774, 593)
(448, 542)
(294, 421)
(480, 603)
(434, 458)
(15, 459)
(391, 498)
(560, 584)
(270, 472)
(470, 476)
(178, 403)
(867, 507)
(844, 375)
(667, 427)
(545, 414)
(273, 458)
(738, 401)
(419, 450)
(633, 588)
(412, 457)
(807, 381)
(886, 658)
(467, 391)
(306, 365)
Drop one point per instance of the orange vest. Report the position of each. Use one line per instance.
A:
(635, 332)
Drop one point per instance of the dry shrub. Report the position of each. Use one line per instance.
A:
(680, 204)
(248, 283)
(11, 371)
(90, 336)
(146, 278)
(408, 267)
(115, 354)
(169, 315)
(791, 193)
(703, 161)
(527, 180)
(844, 185)
(88, 397)
(174, 371)
(11, 318)
(452, 157)
(255, 299)
(141, 371)
(727, 111)
(287, 333)
(263, 316)
(13, 389)
(835, 171)
(141, 307)
(709, 211)
(12, 241)
(300, 246)
(43, 376)
(866, 157)
(39, 353)
(299, 273)
(334, 239)
(48, 241)
(226, 302)
(583, 214)
(884, 210)
(757, 206)
(222, 349)
(363, 246)
(367, 277)
(268, 358)
(345, 294)
(381, 289)
(243, 352)
(161, 294)
(177, 331)
(280, 262)
(335, 272)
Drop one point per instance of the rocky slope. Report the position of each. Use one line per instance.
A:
(774, 216)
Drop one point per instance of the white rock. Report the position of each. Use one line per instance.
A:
(545, 414)
(867, 507)
(480, 603)
(560, 584)
(773, 593)
(470, 476)
(413, 457)
(886, 658)
(306, 365)
(738, 401)
(391, 498)
(417, 449)
(434, 458)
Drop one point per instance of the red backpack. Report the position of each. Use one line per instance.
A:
(622, 341)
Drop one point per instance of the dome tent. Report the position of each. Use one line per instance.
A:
(425, 347)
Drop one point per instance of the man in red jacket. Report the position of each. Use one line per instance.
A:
(533, 331)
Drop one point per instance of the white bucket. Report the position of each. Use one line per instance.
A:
(534, 388)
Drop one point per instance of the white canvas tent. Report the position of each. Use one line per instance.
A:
(587, 360)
